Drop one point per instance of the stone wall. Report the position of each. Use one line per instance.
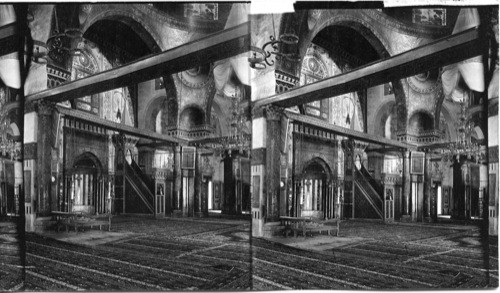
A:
(79, 142)
(307, 149)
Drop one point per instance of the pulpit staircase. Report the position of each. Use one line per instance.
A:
(368, 196)
(139, 190)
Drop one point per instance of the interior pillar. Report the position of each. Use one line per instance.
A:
(44, 154)
(348, 204)
(229, 207)
(273, 155)
(258, 172)
(406, 188)
(428, 192)
(177, 195)
(119, 182)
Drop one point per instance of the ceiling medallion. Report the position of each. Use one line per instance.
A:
(197, 77)
(424, 83)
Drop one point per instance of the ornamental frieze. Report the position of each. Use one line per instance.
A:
(163, 18)
(410, 29)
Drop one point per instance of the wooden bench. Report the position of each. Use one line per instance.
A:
(81, 219)
(303, 225)
(291, 224)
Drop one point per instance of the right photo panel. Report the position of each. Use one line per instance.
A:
(374, 157)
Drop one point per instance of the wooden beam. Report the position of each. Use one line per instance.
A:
(382, 150)
(141, 133)
(9, 39)
(221, 45)
(8, 30)
(439, 53)
(348, 132)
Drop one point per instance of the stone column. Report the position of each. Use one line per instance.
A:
(119, 181)
(258, 172)
(348, 204)
(406, 186)
(229, 207)
(177, 196)
(44, 155)
(198, 185)
(428, 190)
(273, 155)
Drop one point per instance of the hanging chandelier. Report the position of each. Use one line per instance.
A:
(261, 57)
(63, 42)
(238, 139)
(466, 144)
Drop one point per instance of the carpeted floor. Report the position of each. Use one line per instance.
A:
(11, 273)
(161, 255)
(379, 256)
(141, 254)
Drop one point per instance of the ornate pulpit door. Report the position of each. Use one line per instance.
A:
(160, 200)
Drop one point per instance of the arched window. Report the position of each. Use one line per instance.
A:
(158, 127)
(84, 65)
(387, 127)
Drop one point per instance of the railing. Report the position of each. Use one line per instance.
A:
(379, 188)
(420, 136)
(146, 179)
(370, 194)
(140, 187)
(194, 132)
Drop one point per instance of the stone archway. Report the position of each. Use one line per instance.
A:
(136, 24)
(190, 117)
(314, 197)
(85, 187)
(308, 24)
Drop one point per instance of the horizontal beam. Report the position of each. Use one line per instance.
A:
(218, 46)
(347, 132)
(141, 133)
(8, 30)
(382, 150)
(9, 39)
(442, 52)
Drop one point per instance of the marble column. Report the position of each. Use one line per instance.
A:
(428, 190)
(44, 155)
(177, 196)
(273, 154)
(406, 182)
(119, 181)
(229, 207)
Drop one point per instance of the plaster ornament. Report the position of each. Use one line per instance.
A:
(10, 72)
(471, 69)
(84, 13)
(313, 18)
(493, 86)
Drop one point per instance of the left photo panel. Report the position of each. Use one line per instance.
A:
(129, 167)
(12, 257)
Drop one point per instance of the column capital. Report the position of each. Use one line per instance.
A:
(360, 146)
(45, 107)
(273, 112)
(119, 140)
(352, 145)
(406, 154)
(257, 112)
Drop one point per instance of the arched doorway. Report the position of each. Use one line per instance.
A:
(314, 197)
(85, 187)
